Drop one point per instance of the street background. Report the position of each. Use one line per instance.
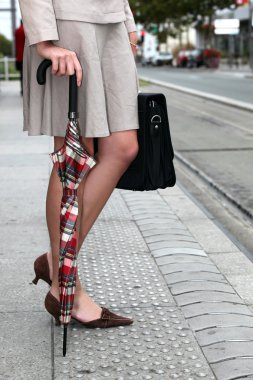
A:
(179, 260)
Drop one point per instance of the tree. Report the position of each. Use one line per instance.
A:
(5, 45)
(179, 13)
(203, 11)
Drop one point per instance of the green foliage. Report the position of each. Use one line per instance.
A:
(176, 14)
(158, 11)
(5, 46)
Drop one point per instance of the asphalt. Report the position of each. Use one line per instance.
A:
(230, 88)
(155, 256)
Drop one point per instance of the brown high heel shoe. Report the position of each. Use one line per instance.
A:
(107, 319)
(41, 269)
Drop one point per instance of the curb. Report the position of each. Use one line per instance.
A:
(215, 98)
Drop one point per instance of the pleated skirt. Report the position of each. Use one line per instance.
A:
(107, 97)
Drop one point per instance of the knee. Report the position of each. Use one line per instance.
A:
(128, 152)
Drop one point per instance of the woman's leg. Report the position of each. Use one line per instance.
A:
(115, 153)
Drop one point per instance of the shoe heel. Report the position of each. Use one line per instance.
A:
(57, 322)
(41, 269)
(35, 280)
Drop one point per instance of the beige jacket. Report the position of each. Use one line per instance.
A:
(39, 16)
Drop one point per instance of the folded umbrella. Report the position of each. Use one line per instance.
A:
(72, 162)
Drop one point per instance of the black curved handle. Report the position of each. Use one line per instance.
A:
(41, 79)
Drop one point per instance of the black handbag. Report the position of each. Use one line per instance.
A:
(153, 167)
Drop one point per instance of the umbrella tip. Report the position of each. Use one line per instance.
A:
(65, 340)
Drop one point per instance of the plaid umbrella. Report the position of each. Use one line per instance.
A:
(72, 163)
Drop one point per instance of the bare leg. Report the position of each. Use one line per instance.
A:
(115, 153)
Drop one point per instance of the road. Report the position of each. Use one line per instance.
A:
(216, 139)
(235, 86)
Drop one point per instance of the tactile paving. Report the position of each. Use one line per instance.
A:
(119, 272)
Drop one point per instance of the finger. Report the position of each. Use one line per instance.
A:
(62, 66)
(55, 65)
(70, 66)
(79, 71)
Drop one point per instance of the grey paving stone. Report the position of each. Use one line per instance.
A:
(164, 230)
(158, 345)
(129, 196)
(241, 264)
(191, 286)
(174, 278)
(229, 334)
(233, 369)
(210, 236)
(188, 267)
(212, 296)
(25, 346)
(169, 224)
(214, 308)
(163, 212)
(20, 294)
(243, 284)
(156, 222)
(173, 244)
(175, 251)
(229, 320)
(117, 209)
(153, 217)
(124, 280)
(168, 237)
(157, 204)
(182, 259)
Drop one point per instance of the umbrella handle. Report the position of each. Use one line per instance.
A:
(41, 79)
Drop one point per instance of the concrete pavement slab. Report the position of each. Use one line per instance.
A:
(204, 308)
(222, 351)
(201, 285)
(173, 244)
(219, 335)
(207, 296)
(25, 329)
(179, 258)
(234, 369)
(169, 237)
(157, 231)
(188, 267)
(174, 278)
(178, 251)
(150, 226)
(229, 320)
(25, 345)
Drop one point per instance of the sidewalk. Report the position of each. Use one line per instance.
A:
(154, 256)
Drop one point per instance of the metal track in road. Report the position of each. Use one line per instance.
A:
(214, 185)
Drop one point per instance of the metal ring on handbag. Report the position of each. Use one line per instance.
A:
(156, 121)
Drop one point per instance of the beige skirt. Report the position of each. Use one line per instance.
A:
(107, 98)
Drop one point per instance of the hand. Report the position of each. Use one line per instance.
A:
(64, 62)
(133, 38)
